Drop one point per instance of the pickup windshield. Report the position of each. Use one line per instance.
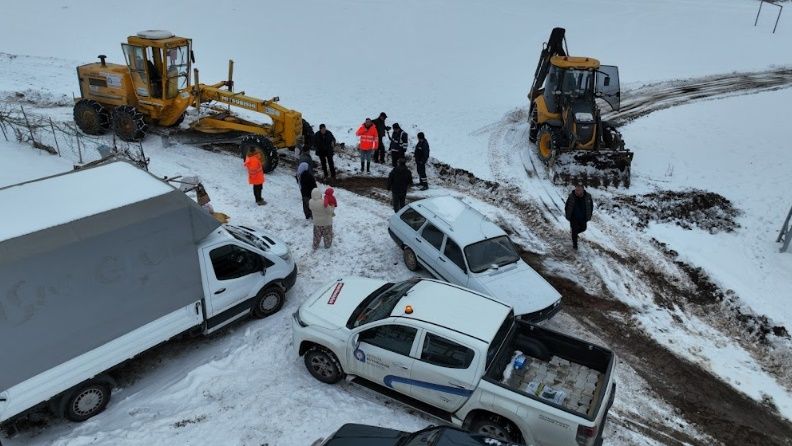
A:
(380, 303)
(490, 253)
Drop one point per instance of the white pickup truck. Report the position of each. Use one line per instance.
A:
(460, 356)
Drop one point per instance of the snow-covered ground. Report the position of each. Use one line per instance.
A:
(458, 71)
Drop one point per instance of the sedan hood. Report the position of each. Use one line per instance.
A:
(520, 286)
(332, 305)
(361, 435)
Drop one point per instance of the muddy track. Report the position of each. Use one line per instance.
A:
(650, 98)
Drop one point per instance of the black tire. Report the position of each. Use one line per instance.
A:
(533, 122)
(91, 117)
(410, 259)
(268, 302)
(496, 427)
(86, 401)
(263, 145)
(323, 365)
(128, 123)
(548, 142)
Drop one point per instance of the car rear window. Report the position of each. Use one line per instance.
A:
(433, 235)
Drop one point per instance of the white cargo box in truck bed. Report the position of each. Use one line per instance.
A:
(98, 265)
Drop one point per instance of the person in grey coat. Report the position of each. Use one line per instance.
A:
(323, 212)
(578, 209)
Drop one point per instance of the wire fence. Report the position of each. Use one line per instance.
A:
(65, 139)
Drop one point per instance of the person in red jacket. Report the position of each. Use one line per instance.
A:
(255, 174)
(368, 143)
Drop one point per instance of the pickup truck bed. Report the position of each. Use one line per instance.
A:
(558, 370)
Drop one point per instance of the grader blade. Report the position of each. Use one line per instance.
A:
(593, 168)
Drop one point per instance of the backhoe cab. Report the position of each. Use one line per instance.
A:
(154, 88)
(570, 136)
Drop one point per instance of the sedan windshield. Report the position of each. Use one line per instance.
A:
(490, 253)
(380, 303)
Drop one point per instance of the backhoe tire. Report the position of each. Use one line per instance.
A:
(91, 117)
(533, 122)
(548, 140)
(128, 123)
(496, 427)
(262, 144)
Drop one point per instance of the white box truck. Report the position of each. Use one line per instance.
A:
(101, 264)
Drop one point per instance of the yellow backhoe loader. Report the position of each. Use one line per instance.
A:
(154, 88)
(565, 123)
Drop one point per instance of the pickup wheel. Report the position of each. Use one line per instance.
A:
(85, 401)
(410, 259)
(323, 365)
(497, 427)
(268, 302)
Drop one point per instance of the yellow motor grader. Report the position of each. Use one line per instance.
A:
(565, 123)
(154, 88)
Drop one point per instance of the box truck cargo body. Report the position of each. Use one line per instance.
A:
(99, 265)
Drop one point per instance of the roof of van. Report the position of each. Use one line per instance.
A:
(454, 308)
(457, 219)
(56, 200)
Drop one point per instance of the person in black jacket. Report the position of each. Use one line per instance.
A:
(324, 141)
(578, 209)
(399, 180)
(379, 123)
(307, 183)
(398, 145)
(421, 157)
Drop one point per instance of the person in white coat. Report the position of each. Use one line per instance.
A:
(323, 213)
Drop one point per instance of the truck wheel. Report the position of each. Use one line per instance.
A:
(497, 427)
(323, 365)
(128, 123)
(86, 401)
(411, 260)
(264, 146)
(91, 117)
(268, 302)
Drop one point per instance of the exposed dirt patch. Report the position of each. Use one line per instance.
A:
(687, 209)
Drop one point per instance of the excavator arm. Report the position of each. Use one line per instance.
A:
(553, 47)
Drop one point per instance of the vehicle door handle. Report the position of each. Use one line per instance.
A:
(457, 385)
(401, 366)
(441, 259)
(221, 290)
(418, 240)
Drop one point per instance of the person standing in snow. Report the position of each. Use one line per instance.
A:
(368, 143)
(379, 123)
(323, 212)
(324, 142)
(421, 158)
(398, 145)
(399, 180)
(255, 174)
(307, 183)
(579, 207)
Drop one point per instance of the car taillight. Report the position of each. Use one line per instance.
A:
(586, 435)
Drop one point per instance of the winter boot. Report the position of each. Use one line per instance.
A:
(368, 166)
(261, 202)
(362, 165)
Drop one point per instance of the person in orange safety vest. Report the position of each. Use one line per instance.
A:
(255, 174)
(368, 143)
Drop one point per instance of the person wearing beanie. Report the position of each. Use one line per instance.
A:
(398, 144)
(421, 158)
(382, 129)
(329, 198)
(399, 181)
(324, 142)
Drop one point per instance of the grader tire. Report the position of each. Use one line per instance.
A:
(91, 117)
(128, 123)
(261, 144)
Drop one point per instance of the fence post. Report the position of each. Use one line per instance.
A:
(32, 139)
(52, 126)
(2, 127)
(79, 151)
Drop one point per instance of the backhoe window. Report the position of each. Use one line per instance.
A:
(577, 82)
(178, 60)
(136, 60)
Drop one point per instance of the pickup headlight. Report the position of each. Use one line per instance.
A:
(298, 320)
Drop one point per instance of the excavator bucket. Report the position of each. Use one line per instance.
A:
(595, 168)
